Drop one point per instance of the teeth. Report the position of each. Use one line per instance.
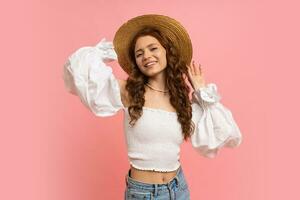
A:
(149, 64)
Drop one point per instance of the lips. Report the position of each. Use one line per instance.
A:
(148, 64)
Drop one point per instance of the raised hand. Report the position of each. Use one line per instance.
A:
(195, 76)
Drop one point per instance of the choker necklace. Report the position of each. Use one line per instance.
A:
(156, 89)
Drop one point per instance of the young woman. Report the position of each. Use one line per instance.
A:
(159, 114)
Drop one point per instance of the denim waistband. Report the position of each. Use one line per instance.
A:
(177, 180)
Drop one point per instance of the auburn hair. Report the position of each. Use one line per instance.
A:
(175, 83)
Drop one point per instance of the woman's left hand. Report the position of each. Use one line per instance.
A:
(195, 76)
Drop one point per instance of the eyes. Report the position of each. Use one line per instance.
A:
(151, 49)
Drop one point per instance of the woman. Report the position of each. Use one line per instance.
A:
(156, 52)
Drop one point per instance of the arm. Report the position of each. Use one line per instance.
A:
(215, 126)
(86, 75)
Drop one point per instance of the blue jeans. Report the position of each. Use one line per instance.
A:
(176, 188)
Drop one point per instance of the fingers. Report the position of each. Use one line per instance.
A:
(189, 70)
(197, 69)
(194, 69)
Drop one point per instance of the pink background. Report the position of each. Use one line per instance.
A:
(52, 147)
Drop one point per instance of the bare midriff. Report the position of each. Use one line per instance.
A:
(151, 177)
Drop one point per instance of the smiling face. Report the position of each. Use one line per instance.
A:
(150, 55)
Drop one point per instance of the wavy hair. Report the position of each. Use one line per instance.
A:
(175, 83)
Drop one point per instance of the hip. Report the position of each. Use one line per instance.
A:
(176, 188)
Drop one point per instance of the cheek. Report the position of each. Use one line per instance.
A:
(163, 57)
(138, 61)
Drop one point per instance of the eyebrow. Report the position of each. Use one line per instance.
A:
(146, 46)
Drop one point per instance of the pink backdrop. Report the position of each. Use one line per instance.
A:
(52, 147)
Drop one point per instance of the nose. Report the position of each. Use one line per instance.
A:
(146, 55)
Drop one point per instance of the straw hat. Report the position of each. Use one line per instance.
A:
(166, 25)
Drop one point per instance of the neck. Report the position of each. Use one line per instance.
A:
(158, 82)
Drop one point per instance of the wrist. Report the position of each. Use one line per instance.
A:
(199, 86)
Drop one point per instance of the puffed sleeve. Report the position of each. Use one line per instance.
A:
(215, 126)
(86, 75)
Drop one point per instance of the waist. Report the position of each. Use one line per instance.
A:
(151, 177)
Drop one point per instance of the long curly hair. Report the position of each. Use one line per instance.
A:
(175, 83)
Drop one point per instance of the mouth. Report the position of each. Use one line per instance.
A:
(150, 64)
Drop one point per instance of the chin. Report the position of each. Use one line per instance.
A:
(149, 74)
(152, 72)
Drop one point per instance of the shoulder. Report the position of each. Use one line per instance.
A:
(124, 92)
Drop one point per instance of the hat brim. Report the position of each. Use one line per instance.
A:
(166, 25)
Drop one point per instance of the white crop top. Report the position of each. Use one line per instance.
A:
(153, 143)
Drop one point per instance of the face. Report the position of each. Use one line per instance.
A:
(150, 55)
